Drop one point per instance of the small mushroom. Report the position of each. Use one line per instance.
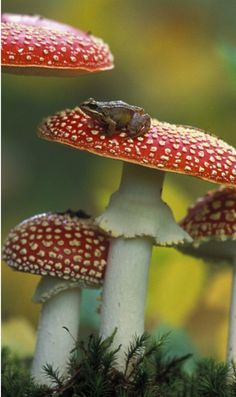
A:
(136, 216)
(69, 252)
(43, 47)
(211, 222)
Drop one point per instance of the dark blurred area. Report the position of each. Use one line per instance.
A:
(177, 60)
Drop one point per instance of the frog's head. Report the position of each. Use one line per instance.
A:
(91, 107)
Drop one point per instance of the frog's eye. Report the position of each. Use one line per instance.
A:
(92, 106)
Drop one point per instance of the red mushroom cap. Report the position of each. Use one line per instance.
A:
(165, 146)
(212, 216)
(39, 21)
(211, 222)
(29, 49)
(64, 245)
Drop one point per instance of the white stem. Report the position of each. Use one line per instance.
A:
(54, 343)
(231, 351)
(137, 215)
(137, 209)
(125, 291)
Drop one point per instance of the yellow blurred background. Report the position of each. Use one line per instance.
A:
(177, 60)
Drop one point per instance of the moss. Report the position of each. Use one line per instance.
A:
(148, 373)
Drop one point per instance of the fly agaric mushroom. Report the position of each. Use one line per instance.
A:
(211, 222)
(39, 21)
(69, 252)
(136, 215)
(49, 48)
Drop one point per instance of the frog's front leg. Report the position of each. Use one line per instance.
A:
(139, 124)
(111, 125)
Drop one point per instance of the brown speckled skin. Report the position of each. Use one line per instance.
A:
(61, 245)
(165, 146)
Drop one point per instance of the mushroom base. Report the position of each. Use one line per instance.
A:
(125, 292)
(59, 315)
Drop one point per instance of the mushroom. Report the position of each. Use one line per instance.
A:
(49, 48)
(39, 21)
(136, 216)
(211, 222)
(69, 251)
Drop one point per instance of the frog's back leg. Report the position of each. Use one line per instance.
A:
(139, 124)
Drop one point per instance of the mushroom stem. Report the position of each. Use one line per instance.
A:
(54, 342)
(137, 209)
(124, 293)
(138, 217)
(231, 350)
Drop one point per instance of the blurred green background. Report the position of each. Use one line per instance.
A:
(175, 58)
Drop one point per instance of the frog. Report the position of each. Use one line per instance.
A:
(116, 115)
